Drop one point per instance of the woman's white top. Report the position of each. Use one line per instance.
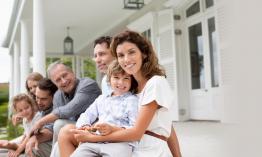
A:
(157, 89)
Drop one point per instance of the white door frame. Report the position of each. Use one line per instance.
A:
(203, 102)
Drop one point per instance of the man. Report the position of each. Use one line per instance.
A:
(41, 144)
(103, 57)
(72, 98)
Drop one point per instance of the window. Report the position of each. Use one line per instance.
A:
(209, 3)
(147, 34)
(213, 51)
(197, 56)
(193, 9)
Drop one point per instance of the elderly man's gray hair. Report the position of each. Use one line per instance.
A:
(53, 65)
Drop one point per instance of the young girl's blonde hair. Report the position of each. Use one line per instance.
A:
(23, 97)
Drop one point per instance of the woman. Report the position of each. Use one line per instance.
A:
(136, 56)
(31, 83)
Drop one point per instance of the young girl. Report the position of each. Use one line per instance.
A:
(30, 84)
(153, 125)
(25, 107)
(115, 111)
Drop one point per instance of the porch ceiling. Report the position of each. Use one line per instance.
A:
(87, 20)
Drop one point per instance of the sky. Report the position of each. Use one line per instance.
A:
(5, 13)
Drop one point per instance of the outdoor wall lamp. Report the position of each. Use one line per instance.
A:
(68, 44)
(133, 4)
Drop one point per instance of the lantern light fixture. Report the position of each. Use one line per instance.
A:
(68, 44)
(133, 4)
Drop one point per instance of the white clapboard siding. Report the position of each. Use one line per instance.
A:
(166, 51)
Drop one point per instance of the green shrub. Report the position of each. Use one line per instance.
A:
(14, 131)
(3, 114)
(4, 93)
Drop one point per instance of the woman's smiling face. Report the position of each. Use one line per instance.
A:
(129, 57)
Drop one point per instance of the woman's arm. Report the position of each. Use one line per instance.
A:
(173, 144)
(135, 133)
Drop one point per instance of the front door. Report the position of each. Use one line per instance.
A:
(203, 60)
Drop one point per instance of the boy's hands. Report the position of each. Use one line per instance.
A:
(91, 129)
(104, 128)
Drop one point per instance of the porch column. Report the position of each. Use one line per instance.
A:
(38, 38)
(11, 81)
(78, 66)
(25, 64)
(16, 67)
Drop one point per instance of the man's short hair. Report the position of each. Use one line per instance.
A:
(47, 85)
(53, 65)
(103, 39)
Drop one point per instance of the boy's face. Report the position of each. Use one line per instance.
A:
(24, 109)
(120, 83)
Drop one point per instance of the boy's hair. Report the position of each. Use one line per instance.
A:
(115, 68)
(23, 97)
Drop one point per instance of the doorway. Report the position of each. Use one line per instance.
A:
(201, 39)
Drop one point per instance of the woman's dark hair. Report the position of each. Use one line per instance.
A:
(103, 39)
(47, 85)
(150, 65)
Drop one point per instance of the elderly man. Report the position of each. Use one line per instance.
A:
(72, 98)
(45, 91)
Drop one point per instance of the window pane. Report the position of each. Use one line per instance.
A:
(89, 68)
(147, 34)
(196, 56)
(209, 3)
(213, 51)
(193, 9)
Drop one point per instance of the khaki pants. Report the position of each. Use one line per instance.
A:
(122, 149)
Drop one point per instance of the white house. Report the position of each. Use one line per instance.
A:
(191, 38)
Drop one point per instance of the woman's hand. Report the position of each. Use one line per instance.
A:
(82, 136)
(4, 143)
